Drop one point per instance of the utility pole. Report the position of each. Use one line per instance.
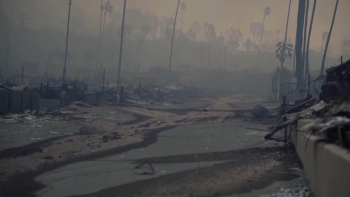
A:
(65, 58)
(172, 40)
(121, 48)
(209, 57)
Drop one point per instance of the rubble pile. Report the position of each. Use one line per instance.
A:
(330, 110)
(299, 191)
(151, 94)
(333, 125)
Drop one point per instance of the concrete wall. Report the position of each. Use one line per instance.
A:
(327, 166)
(4, 98)
(15, 101)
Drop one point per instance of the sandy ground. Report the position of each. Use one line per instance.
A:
(100, 135)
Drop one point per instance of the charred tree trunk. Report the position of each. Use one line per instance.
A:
(328, 38)
(307, 66)
(65, 56)
(285, 35)
(99, 37)
(305, 29)
(121, 48)
(172, 40)
(262, 32)
(299, 67)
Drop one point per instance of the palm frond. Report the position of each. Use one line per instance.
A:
(279, 44)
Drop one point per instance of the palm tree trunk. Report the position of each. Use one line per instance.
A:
(328, 38)
(104, 22)
(138, 53)
(307, 69)
(305, 30)
(172, 40)
(99, 37)
(182, 15)
(103, 29)
(66, 53)
(286, 33)
(322, 47)
(262, 32)
(121, 48)
(299, 67)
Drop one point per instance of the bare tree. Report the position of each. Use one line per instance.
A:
(255, 29)
(165, 25)
(194, 30)
(209, 32)
(233, 37)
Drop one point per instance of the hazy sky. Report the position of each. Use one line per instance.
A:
(224, 14)
(240, 13)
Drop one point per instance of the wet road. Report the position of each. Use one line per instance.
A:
(87, 177)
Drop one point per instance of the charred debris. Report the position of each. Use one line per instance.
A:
(328, 109)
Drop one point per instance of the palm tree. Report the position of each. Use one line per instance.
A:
(285, 47)
(283, 51)
(107, 7)
(328, 38)
(267, 11)
(308, 39)
(172, 40)
(183, 7)
(305, 29)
